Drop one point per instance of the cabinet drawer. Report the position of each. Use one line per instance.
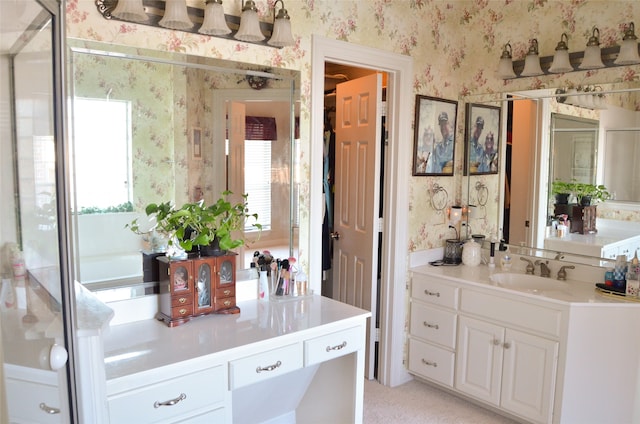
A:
(431, 362)
(332, 345)
(512, 312)
(181, 300)
(24, 399)
(264, 365)
(188, 393)
(430, 290)
(434, 325)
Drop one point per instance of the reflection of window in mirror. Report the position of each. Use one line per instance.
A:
(257, 181)
(107, 139)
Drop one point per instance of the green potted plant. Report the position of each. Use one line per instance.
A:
(586, 194)
(561, 190)
(212, 229)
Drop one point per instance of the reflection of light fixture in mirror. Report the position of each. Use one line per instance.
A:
(629, 48)
(455, 215)
(532, 61)
(592, 59)
(505, 66)
(176, 16)
(561, 62)
(130, 10)
(249, 24)
(214, 22)
(281, 35)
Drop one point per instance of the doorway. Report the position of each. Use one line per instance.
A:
(393, 245)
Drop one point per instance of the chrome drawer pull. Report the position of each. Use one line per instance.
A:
(434, 326)
(337, 347)
(269, 367)
(506, 345)
(496, 342)
(170, 402)
(428, 293)
(48, 409)
(431, 364)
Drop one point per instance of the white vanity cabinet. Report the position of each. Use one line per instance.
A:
(300, 360)
(562, 357)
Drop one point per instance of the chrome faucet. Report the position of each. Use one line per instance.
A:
(530, 267)
(562, 274)
(544, 269)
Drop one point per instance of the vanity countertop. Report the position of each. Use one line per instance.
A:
(572, 292)
(143, 345)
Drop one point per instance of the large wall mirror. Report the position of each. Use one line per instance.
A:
(150, 127)
(548, 138)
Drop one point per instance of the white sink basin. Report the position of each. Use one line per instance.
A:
(528, 283)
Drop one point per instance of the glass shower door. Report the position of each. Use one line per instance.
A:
(35, 378)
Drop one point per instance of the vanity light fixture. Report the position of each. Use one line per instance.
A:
(532, 61)
(130, 10)
(629, 48)
(282, 35)
(592, 56)
(214, 22)
(176, 16)
(249, 24)
(505, 66)
(561, 62)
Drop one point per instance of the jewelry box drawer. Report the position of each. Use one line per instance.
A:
(226, 292)
(264, 365)
(333, 345)
(183, 299)
(182, 311)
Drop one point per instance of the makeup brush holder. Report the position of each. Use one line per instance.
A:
(452, 252)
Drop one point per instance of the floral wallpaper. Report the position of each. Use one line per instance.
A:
(455, 46)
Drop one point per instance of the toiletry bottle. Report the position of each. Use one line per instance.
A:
(505, 263)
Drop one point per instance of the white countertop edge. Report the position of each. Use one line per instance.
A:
(581, 293)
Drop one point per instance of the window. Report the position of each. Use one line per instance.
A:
(102, 129)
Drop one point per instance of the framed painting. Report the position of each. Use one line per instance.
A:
(482, 135)
(434, 136)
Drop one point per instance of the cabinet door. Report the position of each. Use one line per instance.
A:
(226, 271)
(479, 359)
(203, 293)
(529, 375)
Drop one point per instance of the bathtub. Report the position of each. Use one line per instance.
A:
(125, 267)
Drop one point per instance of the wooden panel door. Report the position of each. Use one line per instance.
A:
(358, 130)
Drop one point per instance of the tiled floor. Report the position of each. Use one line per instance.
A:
(415, 402)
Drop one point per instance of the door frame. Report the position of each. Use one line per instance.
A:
(394, 262)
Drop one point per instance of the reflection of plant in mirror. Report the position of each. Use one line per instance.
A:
(584, 193)
(195, 224)
(592, 192)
